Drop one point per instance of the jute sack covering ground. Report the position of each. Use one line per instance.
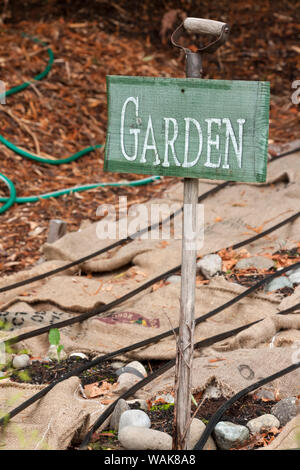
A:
(230, 216)
(52, 423)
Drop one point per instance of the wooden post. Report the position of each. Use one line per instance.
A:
(57, 229)
(185, 341)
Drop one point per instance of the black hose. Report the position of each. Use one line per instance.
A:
(121, 351)
(131, 391)
(74, 372)
(129, 295)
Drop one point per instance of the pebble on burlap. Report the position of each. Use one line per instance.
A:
(286, 409)
(21, 361)
(209, 265)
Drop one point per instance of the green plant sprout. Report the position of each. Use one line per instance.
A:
(54, 339)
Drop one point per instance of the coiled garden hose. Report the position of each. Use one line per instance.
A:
(9, 201)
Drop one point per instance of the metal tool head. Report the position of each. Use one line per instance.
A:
(202, 26)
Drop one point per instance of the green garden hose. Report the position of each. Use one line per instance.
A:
(61, 192)
(9, 201)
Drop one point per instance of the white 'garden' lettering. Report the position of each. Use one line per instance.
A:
(215, 128)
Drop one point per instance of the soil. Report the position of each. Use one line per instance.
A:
(40, 373)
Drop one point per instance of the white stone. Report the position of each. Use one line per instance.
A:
(174, 279)
(196, 430)
(79, 355)
(136, 438)
(278, 283)
(52, 353)
(138, 366)
(264, 422)
(294, 276)
(117, 364)
(21, 361)
(209, 265)
(137, 418)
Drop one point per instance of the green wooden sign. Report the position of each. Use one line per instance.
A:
(192, 128)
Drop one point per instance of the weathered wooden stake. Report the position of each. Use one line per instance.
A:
(185, 341)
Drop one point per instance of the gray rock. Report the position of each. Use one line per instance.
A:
(258, 262)
(196, 431)
(21, 361)
(294, 276)
(278, 283)
(136, 438)
(80, 355)
(286, 409)
(142, 403)
(209, 265)
(2, 374)
(125, 382)
(136, 418)
(229, 435)
(264, 422)
(174, 279)
(120, 408)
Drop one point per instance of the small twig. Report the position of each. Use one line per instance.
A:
(29, 54)
(23, 126)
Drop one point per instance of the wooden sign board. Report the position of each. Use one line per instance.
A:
(193, 128)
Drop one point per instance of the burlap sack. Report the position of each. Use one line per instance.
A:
(232, 371)
(51, 423)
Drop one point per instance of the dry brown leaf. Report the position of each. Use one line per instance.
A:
(93, 390)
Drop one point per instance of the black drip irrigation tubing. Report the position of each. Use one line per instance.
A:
(204, 343)
(219, 413)
(129, 295)
(75, 372)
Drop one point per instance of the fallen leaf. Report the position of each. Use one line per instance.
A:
(93, 390)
